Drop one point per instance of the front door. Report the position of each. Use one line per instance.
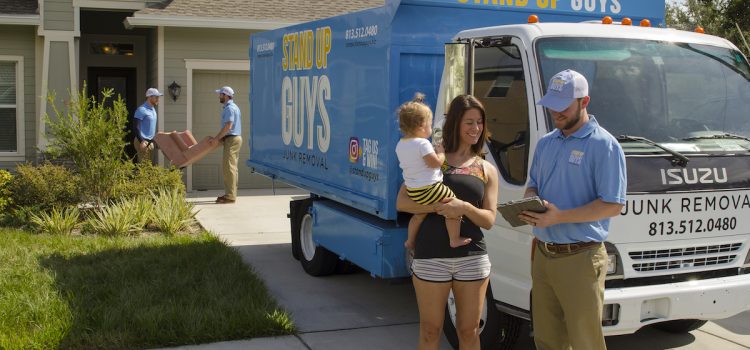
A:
(122, 82)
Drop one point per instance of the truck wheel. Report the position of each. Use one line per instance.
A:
(497, 330)
(316, 260)
(680, 326)
(297, 209)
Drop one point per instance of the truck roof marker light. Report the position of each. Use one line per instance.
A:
(607, 20)
(533, 19)
(627, 21)
(645, 23)
(700, 30)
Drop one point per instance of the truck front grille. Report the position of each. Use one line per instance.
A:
(684, 258)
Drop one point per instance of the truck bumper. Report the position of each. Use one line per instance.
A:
(714, 298)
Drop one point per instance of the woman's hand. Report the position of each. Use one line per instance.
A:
(452, 208)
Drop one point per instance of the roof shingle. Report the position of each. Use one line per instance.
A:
(19, 7)
(270, 10)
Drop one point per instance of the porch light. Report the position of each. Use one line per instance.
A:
(174, 90)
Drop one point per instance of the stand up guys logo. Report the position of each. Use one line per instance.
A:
(304, 117)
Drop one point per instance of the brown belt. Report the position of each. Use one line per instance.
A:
(566, 247)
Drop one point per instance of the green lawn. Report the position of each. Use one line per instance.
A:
(88, 292)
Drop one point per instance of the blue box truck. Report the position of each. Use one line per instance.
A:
(323, 99)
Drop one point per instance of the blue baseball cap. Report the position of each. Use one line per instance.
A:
(563, 89)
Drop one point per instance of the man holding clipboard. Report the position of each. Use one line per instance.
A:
(579, 172)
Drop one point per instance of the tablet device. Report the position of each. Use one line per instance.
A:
(510, 210)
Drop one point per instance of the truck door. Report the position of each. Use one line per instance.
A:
(501, 81)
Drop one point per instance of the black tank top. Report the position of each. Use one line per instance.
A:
(432, 240)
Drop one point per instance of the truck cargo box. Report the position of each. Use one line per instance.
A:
(324, 93)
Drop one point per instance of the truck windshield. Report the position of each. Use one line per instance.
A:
(689, 97)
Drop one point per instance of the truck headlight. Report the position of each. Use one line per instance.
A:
(614, 263)
(747, 260)
(611, 263)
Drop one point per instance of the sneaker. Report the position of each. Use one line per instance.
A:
(224, 200)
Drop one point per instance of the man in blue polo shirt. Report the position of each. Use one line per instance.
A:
(231, 136)
(145, 125)
(579, 171)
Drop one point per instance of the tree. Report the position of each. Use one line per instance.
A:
(717, 17)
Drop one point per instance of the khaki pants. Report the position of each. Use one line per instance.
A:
(232, 145)
(567, 297)
(143, 153)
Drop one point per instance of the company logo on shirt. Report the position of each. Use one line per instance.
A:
(355, 152)
(575, 157)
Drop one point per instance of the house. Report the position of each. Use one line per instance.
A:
(186, 47)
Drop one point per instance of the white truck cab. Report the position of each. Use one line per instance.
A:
(679, 103)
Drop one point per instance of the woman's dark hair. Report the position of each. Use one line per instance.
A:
(456, 110)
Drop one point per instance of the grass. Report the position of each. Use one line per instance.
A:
(92, 292)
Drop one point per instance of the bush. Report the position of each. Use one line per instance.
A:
(115, 219)
(172, 213)
(5, 200)
(45, 187)
(91, 135)
(58, 221)
(149, 178)
(19, 216)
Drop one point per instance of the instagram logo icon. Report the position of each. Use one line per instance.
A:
(355, 152)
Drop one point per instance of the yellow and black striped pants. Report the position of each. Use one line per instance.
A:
(429, 194)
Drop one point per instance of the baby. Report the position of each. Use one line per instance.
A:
(421, 167)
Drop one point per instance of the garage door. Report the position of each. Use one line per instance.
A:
(207, 173)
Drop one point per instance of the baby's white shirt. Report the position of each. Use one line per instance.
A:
(410, 154)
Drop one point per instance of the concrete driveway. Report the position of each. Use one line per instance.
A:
(358, 311)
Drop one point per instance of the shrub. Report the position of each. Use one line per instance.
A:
(91, 135)
(5, 200)
(20, 216)
(142, 208)
(46, 186)
(149, 178)
(172, 213)
(115, 219)
(57, 221)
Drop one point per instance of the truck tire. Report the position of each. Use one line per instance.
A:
(316, 260)
(297, 208)
(497, 330)
(680, 326)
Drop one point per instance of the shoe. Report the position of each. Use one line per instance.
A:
(224, 200)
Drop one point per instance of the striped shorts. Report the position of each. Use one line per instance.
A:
(429, 194)
(464, 269)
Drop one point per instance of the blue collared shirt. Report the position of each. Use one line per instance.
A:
(573, 171)
(231, 113)
(146, 114)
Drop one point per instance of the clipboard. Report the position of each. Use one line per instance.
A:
(510, 210)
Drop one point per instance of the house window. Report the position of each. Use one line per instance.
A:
(11, 105)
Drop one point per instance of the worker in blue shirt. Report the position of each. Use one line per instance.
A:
(145, 125)
(231, 136)
(579, 171)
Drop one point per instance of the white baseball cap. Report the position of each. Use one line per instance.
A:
(153, 92)
(563, 89)
(226, 91)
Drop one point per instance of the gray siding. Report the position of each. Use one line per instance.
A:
(58, 14)
(20, 41)
(190, 43)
